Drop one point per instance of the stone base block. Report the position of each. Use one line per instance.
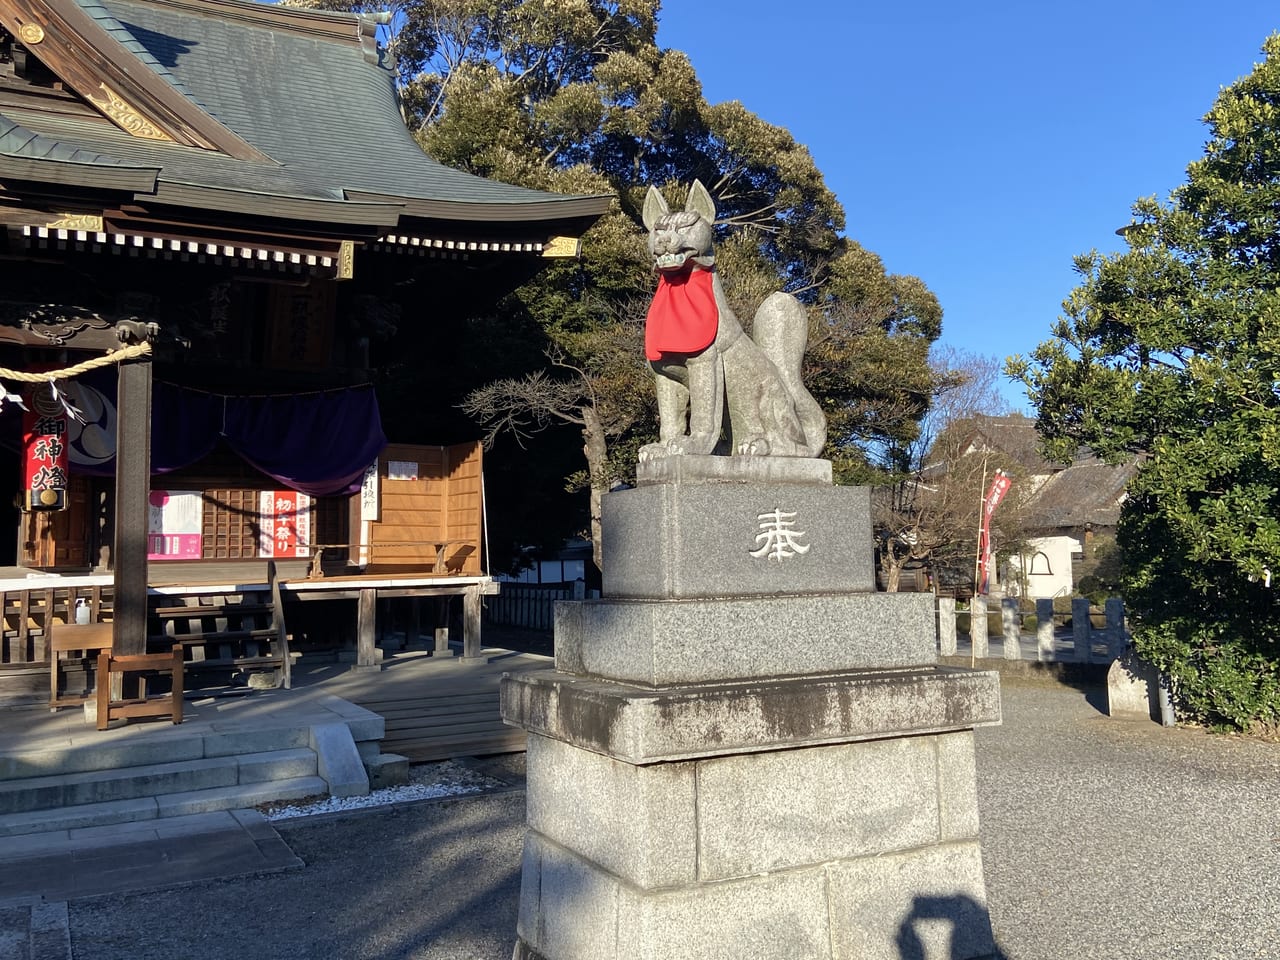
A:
(674, 540)
(387, 770)
(928, 904)
(643, 726)
(1133, 688)
(662, 643)
(729, 818)
(817, 817)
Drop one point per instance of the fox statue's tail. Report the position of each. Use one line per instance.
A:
(781, 331)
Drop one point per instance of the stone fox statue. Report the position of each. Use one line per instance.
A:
(703, 360)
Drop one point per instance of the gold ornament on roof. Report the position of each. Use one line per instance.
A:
(31, 33)
(123, 115)
(91, 223)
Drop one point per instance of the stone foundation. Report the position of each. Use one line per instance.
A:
(749, 754)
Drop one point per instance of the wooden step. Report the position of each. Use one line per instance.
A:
(211, 610)
(425, 750)
(212, 637)
(225, 662)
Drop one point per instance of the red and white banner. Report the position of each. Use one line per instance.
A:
(1000, 484)
(285, 520)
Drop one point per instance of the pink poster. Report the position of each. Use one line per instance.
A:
(173, 525)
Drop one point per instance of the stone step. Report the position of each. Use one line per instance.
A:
(19, 833)
(182, 777)
(173, 747)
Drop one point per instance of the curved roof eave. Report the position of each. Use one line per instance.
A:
(384, 213)
(554, 207)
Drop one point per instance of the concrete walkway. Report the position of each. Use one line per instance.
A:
(1105, 839)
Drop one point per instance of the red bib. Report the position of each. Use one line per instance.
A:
(683, 317)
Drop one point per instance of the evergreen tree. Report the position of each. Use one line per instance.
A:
(1170, 351)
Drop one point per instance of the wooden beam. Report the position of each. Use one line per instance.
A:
(133, 489)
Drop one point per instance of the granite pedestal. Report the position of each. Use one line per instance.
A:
(777, 771)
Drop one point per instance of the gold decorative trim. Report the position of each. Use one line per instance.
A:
(90, 223)
(31, 33)
(562, 247)
(126, 117)
(346, 260)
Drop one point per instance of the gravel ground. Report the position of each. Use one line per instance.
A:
(1118, 840)
(427, 781)
(1102, 839)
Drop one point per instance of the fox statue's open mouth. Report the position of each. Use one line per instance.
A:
(674, 262)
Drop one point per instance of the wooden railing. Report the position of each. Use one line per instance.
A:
(531, 605)
(28, 614)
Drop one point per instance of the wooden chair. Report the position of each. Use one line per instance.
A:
(169, 704)
(87, 639)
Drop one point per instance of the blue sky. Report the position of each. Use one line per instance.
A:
(980, 146)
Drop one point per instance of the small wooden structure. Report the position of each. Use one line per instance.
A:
(217, 232)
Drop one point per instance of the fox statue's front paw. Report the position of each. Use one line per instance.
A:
(755, 447)
(693, 445)
(654, 451)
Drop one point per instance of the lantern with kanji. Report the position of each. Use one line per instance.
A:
(44, 436)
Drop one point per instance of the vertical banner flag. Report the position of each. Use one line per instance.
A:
(1000, 484)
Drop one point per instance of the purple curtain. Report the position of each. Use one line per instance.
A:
(316, 443)
(184, 427)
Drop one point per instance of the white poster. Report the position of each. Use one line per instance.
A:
(174, 519)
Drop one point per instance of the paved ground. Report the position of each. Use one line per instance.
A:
(1103, 839)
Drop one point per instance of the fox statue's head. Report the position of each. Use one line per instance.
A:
(679, 240)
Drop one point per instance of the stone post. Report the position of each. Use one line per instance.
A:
(1081, 629)
(947, 626)
(1011, 624)
(1116, 638)
(978, 626)
(1044, 629)
(745, 750)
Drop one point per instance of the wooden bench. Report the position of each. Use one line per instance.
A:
(141, 705)
(87, 639)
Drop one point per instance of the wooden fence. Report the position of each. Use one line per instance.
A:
(1088, 644)
(532, 605)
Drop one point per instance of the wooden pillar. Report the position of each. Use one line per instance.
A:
(471, 600)
(133, 490)
(366, 627)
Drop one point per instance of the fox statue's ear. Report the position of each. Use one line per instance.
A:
(700, 202)
(655, 208)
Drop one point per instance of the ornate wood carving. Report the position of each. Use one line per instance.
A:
(346, 260)
(55, 323)
(88, 222)
(125, 116)
(60, 324)
(562, 247)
